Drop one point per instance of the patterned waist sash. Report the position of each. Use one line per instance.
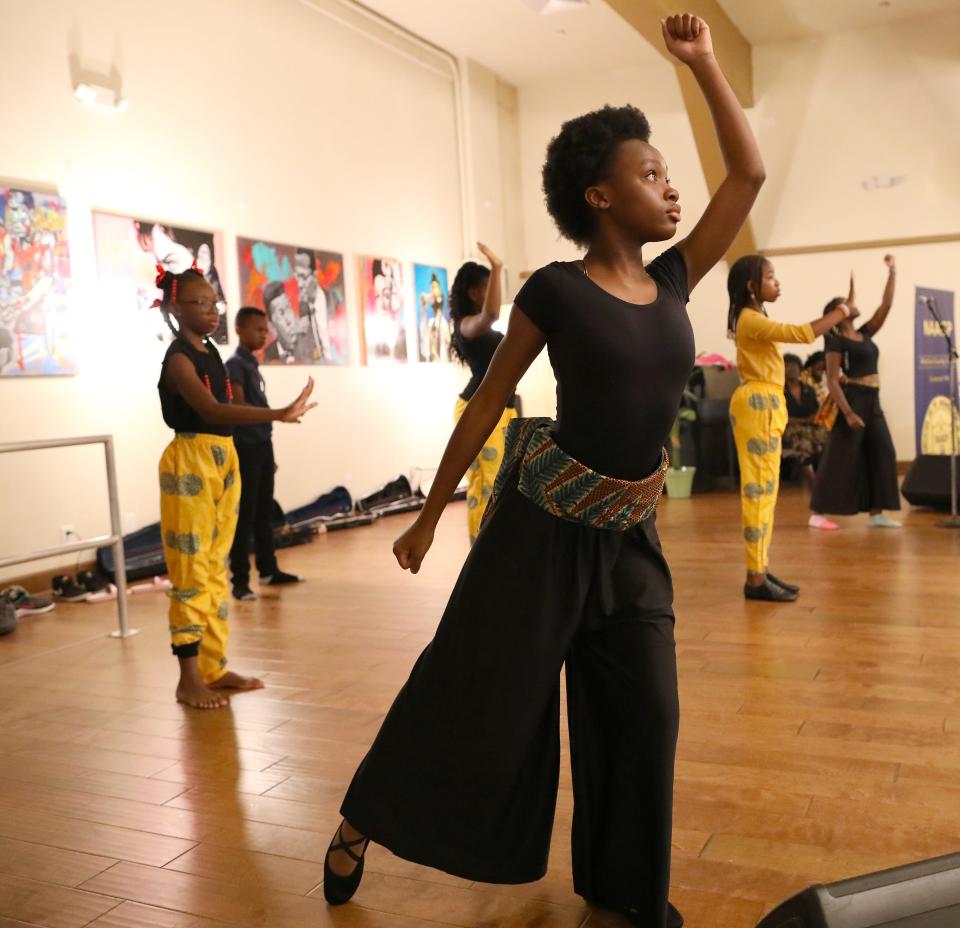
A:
(828, 411)
(567, 489)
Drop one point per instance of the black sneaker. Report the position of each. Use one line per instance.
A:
(280, 578)
(91, 582)
(67, 591)
(768, 592)
(244, 594)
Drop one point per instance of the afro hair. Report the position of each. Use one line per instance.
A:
(580, 157)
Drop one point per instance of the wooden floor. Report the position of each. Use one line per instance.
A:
(818, 740)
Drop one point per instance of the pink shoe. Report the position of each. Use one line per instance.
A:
(105, 595)
(822, 523)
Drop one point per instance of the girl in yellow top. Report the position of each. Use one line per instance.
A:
(758, 411)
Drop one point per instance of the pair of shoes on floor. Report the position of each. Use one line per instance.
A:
(772, 590)
(881, 521)
(340, 889)
(25, 604)
(78, 589)
(822, 523)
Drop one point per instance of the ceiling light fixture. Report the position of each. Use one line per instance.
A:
(101, 97)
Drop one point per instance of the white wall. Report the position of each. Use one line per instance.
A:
(650, 85)
(837, 110)
(833, 112)
(261, 118)
(830, 113)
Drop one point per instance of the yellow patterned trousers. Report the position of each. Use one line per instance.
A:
(199, 499)
(483, 471)
(758, 414)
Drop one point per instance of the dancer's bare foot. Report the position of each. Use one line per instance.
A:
(233, 681)
(200, 697)
(341, 863)
(191, 690)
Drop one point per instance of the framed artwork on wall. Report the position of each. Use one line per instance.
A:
(302, 292)
(432, 307)
(383, 322)
(35, 337)
(128, 252)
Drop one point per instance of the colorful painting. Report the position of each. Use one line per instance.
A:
(433, 313)
(301, 291)
(383, 323)
(34, 283)
(128, 252)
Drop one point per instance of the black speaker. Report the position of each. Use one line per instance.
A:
(927, 482)
(925, 894)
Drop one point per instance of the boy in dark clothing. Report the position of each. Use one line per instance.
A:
(255, 449)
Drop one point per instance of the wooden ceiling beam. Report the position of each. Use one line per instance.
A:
(735, 54)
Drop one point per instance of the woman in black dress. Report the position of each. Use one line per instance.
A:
(858, 471)
(567, 569)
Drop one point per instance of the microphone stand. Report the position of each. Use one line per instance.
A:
(954, 520)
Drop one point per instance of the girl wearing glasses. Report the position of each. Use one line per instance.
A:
(200, 485)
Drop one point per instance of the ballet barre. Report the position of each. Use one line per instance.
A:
(115, 538)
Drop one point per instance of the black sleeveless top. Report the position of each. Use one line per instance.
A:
(621, 367)
(478, 353)
(859, 359)
(177, 412)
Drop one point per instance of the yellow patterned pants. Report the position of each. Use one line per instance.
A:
(199, 499)
(758, 415)
(483, 471)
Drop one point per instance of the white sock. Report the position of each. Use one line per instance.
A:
(881, 521)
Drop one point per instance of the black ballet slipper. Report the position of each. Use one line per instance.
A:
(776, 581)
(340, 889)
(768, 592)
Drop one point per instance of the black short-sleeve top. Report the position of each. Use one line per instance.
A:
(858, 358)
(621, 367)
(177, 412)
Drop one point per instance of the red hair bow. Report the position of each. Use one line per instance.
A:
(161, 274)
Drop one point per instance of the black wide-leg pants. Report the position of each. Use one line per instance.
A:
(463, 773)
(858, 470)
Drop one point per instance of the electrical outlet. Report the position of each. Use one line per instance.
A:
(67, 534)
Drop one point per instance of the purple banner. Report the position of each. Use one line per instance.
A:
(932, 371)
